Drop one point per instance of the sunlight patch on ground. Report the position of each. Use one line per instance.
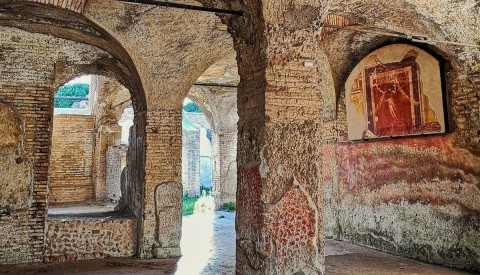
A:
(197, 238)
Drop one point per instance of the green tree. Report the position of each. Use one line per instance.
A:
(192, 108)
(73, 90)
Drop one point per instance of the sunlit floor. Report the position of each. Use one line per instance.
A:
(208, 246)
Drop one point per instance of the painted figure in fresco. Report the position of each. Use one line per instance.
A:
(390, 96)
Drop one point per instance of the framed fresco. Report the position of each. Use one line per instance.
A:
(395, 91)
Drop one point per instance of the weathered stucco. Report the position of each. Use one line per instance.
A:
(418, 196)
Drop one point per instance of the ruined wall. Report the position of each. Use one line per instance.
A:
(164, 132)
(27, 73)
(71, 159)
(278, 102)
(106, 135)
(70, 239)
(417, 196)
(219, 104)
(16, 188)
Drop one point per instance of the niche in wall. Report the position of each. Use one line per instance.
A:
(395, 91)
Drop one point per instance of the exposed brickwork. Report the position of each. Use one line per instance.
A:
(74, 5)
(287, 133)
(219, 104)
(71, 159)
(106, 135)
(278, 102)
(29, 89)
(162, 222)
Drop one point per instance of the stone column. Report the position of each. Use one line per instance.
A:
(280, 193)
(162, 205)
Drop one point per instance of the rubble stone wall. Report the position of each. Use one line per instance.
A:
(70, 239)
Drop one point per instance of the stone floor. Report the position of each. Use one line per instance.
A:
(208, 245)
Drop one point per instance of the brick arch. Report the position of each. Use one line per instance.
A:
(73, 5)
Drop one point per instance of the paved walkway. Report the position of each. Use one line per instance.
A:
(208, 245)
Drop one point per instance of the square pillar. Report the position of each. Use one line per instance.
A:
(162, 204)
(280, 190)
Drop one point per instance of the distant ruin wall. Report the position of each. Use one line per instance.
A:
(191, 162)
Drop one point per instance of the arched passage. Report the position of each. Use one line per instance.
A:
(63, 58)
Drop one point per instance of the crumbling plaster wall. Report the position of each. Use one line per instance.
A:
(115, 162)
(16, 190)
(416, 196)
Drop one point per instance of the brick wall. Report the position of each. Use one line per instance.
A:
(71, 160)
(27, 74)
(28, 90)
(106, 135)
(163, 191)
(74, 5)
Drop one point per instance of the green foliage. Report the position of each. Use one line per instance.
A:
(188, 205)
(192, 108)
(73, 90)
(229, 206)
